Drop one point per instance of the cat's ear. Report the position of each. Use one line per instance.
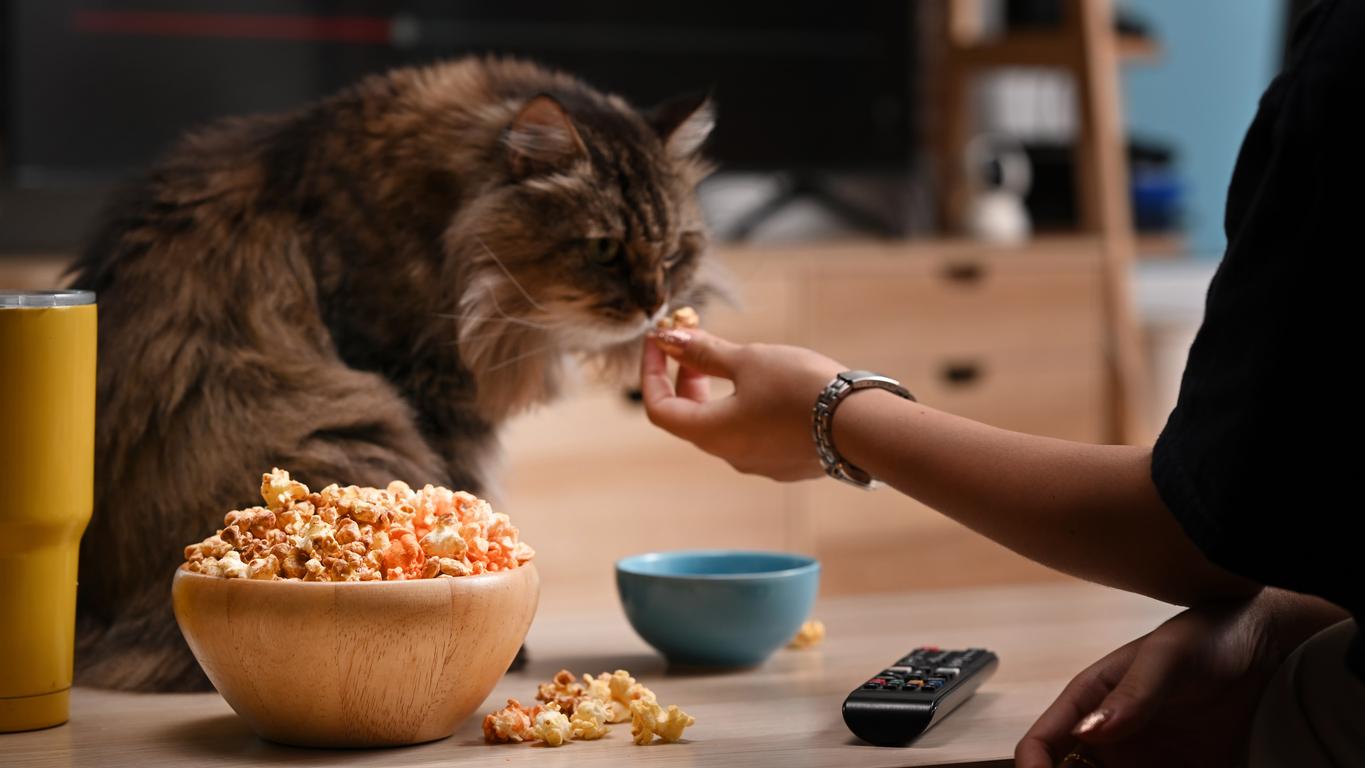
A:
(683, 123)
(542, 137)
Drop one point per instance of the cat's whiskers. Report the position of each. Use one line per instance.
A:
(509, 274)
(504, 363)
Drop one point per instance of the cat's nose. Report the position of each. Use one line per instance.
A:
(648, 298)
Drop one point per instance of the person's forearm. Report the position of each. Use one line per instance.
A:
(1088, 510)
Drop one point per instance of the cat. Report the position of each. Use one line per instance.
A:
(360, 291)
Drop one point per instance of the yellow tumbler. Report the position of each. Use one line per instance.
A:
(47, 455)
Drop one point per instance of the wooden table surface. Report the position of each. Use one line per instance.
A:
(785, 713)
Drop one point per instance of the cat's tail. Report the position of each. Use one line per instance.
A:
(141, 649)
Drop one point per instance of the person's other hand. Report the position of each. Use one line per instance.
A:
(1183, 694)
(764, 428)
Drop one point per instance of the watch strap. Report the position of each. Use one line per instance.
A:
(822, 422)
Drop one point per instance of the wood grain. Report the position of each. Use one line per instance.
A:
(364, 664)
(786, 713)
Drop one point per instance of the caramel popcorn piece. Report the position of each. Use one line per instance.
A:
(811, 634)
(551, 726)
(444, 539)
(589, 721)
(563, 691)
(511, 723)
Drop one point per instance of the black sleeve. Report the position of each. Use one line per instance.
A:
(1260, 460)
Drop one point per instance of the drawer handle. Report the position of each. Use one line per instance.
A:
(961, 374)
(965, 272)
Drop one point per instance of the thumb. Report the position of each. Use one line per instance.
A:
(1134, 700)
(700, 351)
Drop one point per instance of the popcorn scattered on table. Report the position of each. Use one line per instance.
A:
(589, 720)
(682, 317)
(511, 723)
(551, 727)
(811, 634)
(586, 710)
(359, 534)
(648, 719)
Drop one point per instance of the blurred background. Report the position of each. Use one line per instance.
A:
(1014, 206)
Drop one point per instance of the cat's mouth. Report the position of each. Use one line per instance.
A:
(597, 332)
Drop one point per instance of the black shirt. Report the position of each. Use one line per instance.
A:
(1261, 459)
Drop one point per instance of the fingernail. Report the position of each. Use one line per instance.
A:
(1091, 722)
(672, 340)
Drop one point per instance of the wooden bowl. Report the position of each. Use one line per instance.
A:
(359, 664)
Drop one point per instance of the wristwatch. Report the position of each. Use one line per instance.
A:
(822, 422)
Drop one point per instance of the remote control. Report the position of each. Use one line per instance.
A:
(905, 699)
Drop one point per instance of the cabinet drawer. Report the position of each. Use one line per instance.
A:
(1058, 394)
(959, 304)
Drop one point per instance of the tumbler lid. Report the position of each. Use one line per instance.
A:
(39, 299)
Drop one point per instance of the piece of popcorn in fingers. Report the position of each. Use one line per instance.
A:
(682, 317)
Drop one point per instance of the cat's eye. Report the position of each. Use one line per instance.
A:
(603, 250)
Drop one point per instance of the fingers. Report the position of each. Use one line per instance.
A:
(700, 351)
(1136, 697)
(693, 384)
(682, 413)
(1050, 737)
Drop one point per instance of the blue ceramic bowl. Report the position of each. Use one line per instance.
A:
(717, 607)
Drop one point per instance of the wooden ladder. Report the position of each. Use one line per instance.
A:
(1086, 45)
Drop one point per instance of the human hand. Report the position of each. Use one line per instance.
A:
(1183, 694)
(764, 428)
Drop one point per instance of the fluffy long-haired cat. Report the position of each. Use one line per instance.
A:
(359, 291)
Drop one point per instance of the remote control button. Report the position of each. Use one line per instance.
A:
(871, 686)
(948, 671)
(895, 684)
(938, 680)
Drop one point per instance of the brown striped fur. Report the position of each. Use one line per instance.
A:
(361, 290)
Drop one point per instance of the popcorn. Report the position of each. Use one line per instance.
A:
(563, 691)
(810, 634)
(584, 711)
(229, 566)
(648, 720)
(682, 317)
(589, 721)
(551, 726)
(359, 534)
(511, 723)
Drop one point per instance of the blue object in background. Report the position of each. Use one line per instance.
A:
(717, 608)
(1218, 57)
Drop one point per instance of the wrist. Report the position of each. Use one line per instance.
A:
(828, 403)
(853, 422)
(1290, 618)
